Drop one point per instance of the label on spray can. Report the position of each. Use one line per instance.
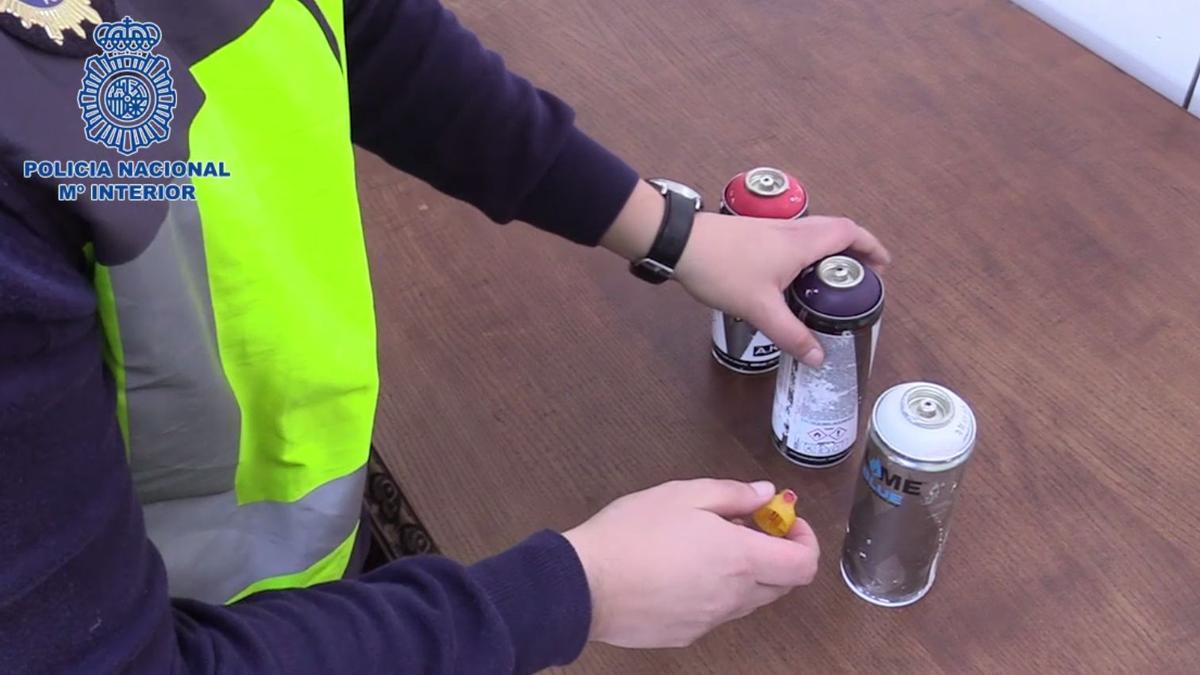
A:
(816, 409)
(816, 412)
(741, 346)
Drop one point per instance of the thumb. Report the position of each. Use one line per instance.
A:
(726, 498)
(789, 333)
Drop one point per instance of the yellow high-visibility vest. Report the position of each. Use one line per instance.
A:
(242, 339)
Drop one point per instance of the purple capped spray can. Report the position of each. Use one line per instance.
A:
(816, 415)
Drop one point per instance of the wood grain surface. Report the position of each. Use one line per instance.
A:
(1042, 210)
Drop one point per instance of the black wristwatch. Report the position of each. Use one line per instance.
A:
(679, 212)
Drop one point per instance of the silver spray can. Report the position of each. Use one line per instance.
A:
(763, 192)
(816, 414)
(921, 436)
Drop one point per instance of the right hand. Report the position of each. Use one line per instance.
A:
(665, 566)
(743, 266)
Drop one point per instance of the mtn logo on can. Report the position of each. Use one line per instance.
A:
(890, 487)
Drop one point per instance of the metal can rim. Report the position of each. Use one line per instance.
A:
(783, 187)
(904, 459)
(841, 259)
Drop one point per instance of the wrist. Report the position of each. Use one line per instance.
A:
(702, 230)
(591, 564)
(636, 225)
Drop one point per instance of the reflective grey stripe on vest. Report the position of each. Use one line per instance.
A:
(184, 422)
(184, 434)
(200, 537)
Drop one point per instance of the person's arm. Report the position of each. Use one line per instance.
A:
(429, 99)
(82, 590)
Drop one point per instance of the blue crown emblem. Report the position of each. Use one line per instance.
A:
(127, 97)
(127, 36)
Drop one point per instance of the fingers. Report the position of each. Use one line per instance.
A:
(840, 234)
(784, 562)
(802, 533)
(726, 498)
(827, 236)
(788, 332)
(869, 246)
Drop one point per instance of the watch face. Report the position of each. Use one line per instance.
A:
(676, 186)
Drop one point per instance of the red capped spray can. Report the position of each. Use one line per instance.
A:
(758, 193)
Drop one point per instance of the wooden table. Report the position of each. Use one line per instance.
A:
(1042, 208)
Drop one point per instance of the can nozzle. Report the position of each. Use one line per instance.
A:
(777, 516)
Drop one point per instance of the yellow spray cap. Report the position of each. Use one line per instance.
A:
(777, 516)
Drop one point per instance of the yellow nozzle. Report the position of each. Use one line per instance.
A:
(777, 516)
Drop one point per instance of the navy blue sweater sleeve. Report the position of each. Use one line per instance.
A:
(82, 590)
(429, 99)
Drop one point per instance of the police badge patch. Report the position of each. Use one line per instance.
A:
(54, 25)
(127, 97)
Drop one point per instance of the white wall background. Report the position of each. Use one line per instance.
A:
(1156, 41)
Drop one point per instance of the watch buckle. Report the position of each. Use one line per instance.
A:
(652, 265)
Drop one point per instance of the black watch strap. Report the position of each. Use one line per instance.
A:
(679, 213)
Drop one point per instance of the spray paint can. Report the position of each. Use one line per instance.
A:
(921, 436)
(816, 414)
(760, 193)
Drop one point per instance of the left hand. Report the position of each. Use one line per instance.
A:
(742, 265)
(665, 565)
